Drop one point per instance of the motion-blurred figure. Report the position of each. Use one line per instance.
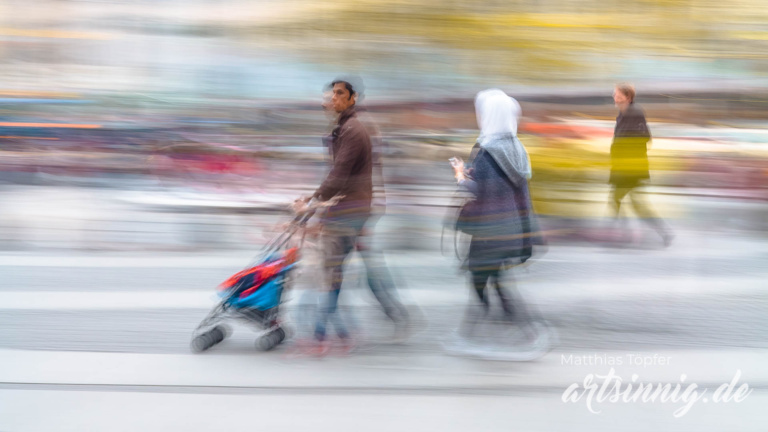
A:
(629, 160)
(378, 277)
(500, 218)
(351, 175)
(377, 273)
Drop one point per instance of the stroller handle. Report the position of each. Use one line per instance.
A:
(300, 221)
(314, 204)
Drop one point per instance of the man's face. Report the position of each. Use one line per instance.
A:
(340, 99)
(620, 99)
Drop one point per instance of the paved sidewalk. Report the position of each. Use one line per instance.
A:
(120, 392)
(105, 336)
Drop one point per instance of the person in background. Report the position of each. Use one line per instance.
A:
(629, 160)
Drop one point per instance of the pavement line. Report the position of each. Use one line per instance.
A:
(451, 292)
(218, 389)
(83, 300)
(433, 370)
(235, 390)
(188, 299)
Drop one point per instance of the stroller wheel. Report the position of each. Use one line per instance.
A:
(265, 343)
(217, 334)
(201, 343)
(270, 340)
(205, 341)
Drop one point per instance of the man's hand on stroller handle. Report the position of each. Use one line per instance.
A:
(307, 204)
(331, 202)
(301, 205)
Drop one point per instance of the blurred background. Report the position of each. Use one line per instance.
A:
(153, 144)
(192, 102)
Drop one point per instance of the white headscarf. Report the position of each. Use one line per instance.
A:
(496, 112)
(497, 116)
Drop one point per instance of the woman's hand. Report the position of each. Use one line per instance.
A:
(458, 168)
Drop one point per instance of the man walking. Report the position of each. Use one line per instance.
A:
(351, 145)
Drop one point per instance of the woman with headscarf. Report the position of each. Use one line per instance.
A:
(500, 218)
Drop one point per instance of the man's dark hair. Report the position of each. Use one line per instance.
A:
(348, 86)
(353, 83)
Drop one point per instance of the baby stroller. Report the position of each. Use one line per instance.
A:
(253, 295)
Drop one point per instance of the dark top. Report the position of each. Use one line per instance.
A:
(502, 214)
(629, 150)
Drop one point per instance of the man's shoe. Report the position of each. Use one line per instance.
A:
(346, 346)
(319, 349)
